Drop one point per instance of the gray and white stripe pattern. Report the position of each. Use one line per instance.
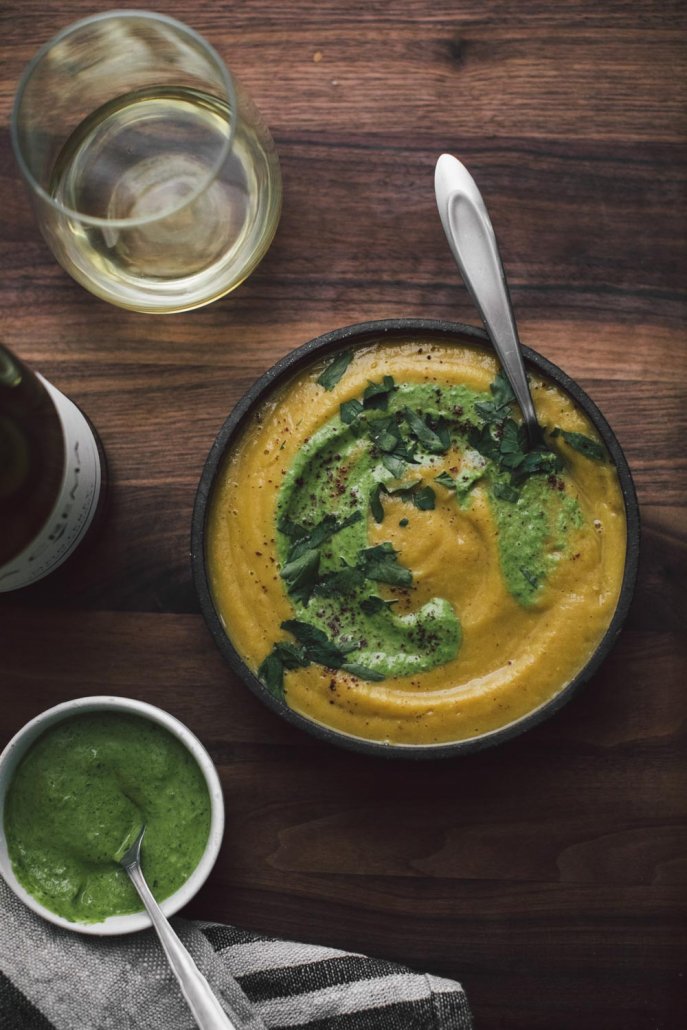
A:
(304, 985)
(52, 979)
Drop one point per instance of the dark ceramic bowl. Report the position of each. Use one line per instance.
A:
(356, 336)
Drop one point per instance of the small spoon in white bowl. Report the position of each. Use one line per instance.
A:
(206, 1009)
(472, 240)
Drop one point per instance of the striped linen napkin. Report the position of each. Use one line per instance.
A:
(53, 979)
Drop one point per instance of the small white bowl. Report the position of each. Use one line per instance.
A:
(14, 752)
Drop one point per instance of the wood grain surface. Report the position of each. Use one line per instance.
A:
(548, 875)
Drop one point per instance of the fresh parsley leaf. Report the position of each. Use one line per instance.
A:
(424, 499)
(540, 460)
(335, 369)
(282, 656)
(504, 492)
(349, 411)
(291, 529)
(372, 605)
(376, 504)
(430, 440)
(304, 632)
(380, 563)
(376, 395)
(502, 390)
(401, 488)
(581, 443)
(271, 673)
(485, 442)
(341, 581)
(385, 434)
(441, 428)
(290, 656)
(444, 479)
(497, 409)
(508, 448)
(362, 673)
(513, 445)
(300, 575)
(317, 646)
(395, 465)
(312, 539)
(329, 527)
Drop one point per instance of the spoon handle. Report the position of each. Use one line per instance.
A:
(472, 241)
(206, 1009)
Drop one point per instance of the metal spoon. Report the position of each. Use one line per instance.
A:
(206, 1009)
(472, 241)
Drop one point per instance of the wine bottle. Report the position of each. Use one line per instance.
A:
(51, 475)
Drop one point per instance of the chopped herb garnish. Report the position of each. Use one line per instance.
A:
(291, 529)
(497, 410)
(301, 569)
(435, 442)
(402, 488)
(271, 673)
(485, 442)
(385, 434)
(373, 604)
(335, 369)
(301, 573)
(340, 581)
(290, 656)
(316, 645)
(513, 445)
(350, 410)
(441, 428)
(311, 539)
(508, 448)
(283, 656)
(376, 395)
(381, 564)
(444, 479)
(424, 499)
(579, 442)
(502, 390)
(411, 491)
(363, 673)
(403, 523)
(376, 504)
(395, 465)
(504, 492)
(540, 460)
(465, 481)
(304, 632)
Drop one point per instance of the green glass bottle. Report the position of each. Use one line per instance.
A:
(51, 475)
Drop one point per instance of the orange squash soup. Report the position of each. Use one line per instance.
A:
(390, 558)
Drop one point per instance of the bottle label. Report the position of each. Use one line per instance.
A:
(76, 502)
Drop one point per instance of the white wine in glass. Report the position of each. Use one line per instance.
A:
(164, 196)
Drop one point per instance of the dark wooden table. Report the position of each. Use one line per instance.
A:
(548, 874)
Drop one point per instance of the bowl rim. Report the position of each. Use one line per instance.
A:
(22, 741)
(359, 334)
